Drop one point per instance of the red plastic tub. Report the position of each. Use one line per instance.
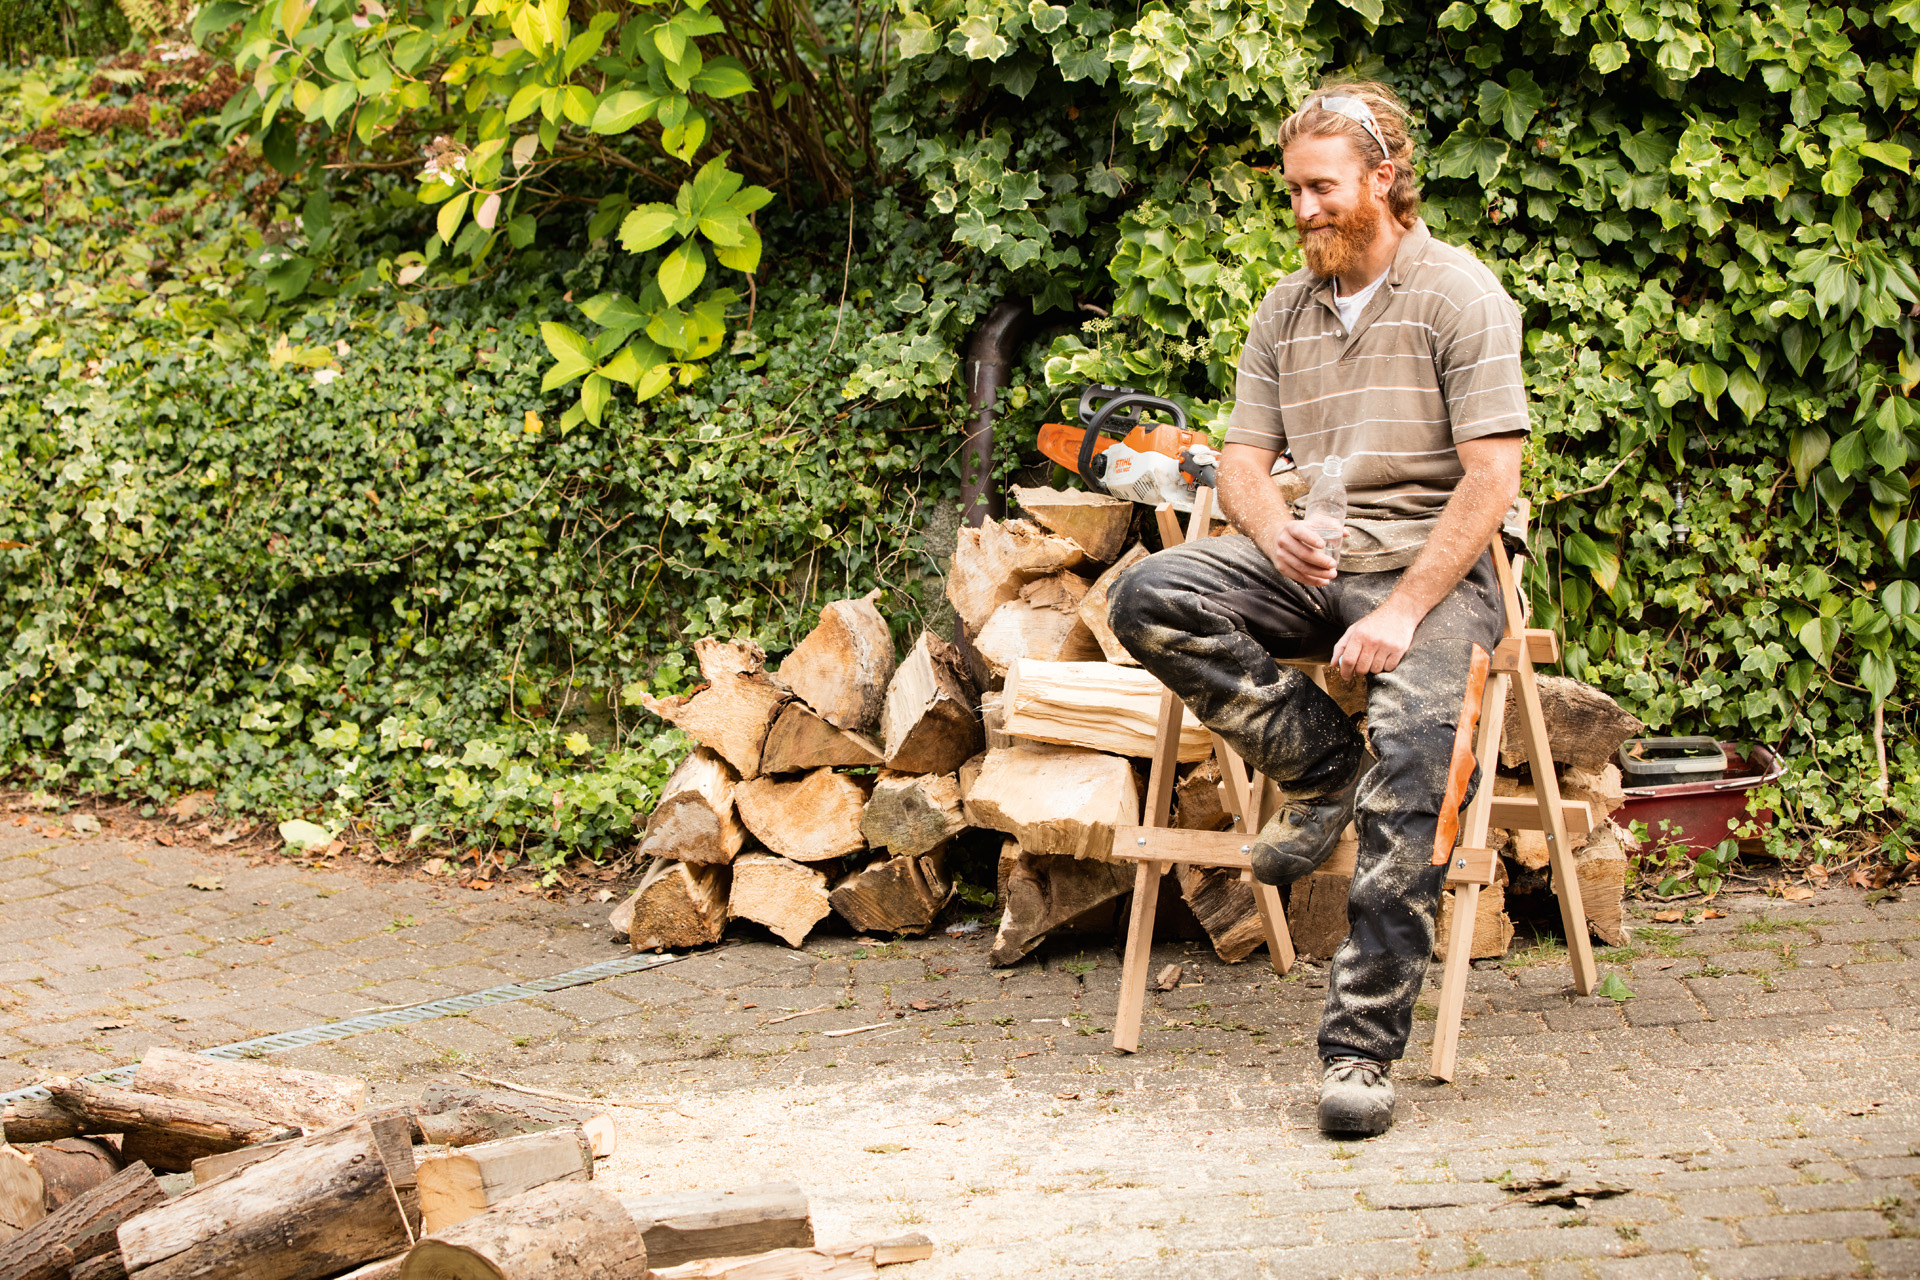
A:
(1698, 812)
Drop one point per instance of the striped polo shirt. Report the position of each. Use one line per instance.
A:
(1433, 359)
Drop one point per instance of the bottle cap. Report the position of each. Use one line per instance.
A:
(1332, 468)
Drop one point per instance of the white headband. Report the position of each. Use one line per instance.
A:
(1356, 110)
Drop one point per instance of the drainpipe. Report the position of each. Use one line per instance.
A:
(989, 359)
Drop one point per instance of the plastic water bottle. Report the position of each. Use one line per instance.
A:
(1327, 506)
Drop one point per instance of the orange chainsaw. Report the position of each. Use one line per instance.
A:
(1153, 462)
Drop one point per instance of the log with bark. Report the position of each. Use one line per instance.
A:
(1584, 726)
(306, 1099)
(800, 740)
(912, 813)
(677, 904)
(103, 1266)
(1019, 629)
(1225, 906)
(1095, 705)
(453, 1117)
(70, 1167)
(695, 819)
(991, 564)
(814, 819)
(1600, 864)
(1093, 607)
(1197, 802)
(168, 1133)
(685, 1226)
(1317, 914)
(849, 1261)
(781, 894)
(1041, 893)
(560, 1231)
(1097, 522)
(466, 1181)
(894, 895)
(1055, 801)
(23, 1193)
(83, 1228)
(38, 1120)
(930, 724)
(323, 1205)
(843, 666)
(733, 711)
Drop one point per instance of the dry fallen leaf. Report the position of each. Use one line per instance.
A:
(950, 1121)
(1169, 978)
(1669, 916)
(206, 884)
(605, 895)
(1797, 893)
(1712, 914)
(113, 1024)
(1067, 1097)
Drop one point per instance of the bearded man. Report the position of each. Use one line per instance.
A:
(1392, 360)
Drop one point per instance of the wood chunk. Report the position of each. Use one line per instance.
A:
(168, 1133)
(1492, 928)
(103, 1266)
(1529, 848)
(912, 813)
(560, 1231)
(207, 1168)
(678, 904)
(23, 1193)
(305, 1099)
(894, 895)
(929, 724)
(462, 1183)
(1317, 914)
(1197, 802)
(1093, 608)
(385, 1269)
(1226, 908)
(991, 564)
(685, 1226)
(321, 1206)
(821, 1262)
(1600, 864)
(993, 720)
(1584, 726)
(842, 668)
(1058, 802)
(1095, 705)
(1098, 522)
(1020, 630)
(1603, 790)
(800, 739)
(1061, 591)
(695, 819)
(38, 1120)
(812, 820)
(71, 1167)
(82, 1229)
(452, 1117)
(733, 711)
(1040, 893)
(782, 895)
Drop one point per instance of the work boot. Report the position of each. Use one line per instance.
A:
(1301, 835)
(1355, 1096)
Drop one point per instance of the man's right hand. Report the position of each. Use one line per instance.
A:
(1297, 552)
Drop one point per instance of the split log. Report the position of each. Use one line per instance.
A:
(1093, 608)
(912, 813)
(23, 1193)
(821, 1262)
(1600, 864)
(324, 1205)
(684, 1226)
(38, 1120)
(1226, 908)
(782, 895)
(560, 1231)
(1492, 928)
(207, 1168)
(1055, 801)
(70, 1167)
(1041, 893)
(385, 1269)
(812, 820)
(1529, 848)
(1603, 790)
(678, 904)
(991, 564)
(800, 740)
(1584, 726)
(1197, 802)
(1019, 630)
(82, 1229)
(695, 819)
(462, 1183)
(168, 1133)
(929, 724)
(1062, 592)
(451, 1117)
(1095, 705)
(306, 1099)
(842, 668)
(1317, 914)
(102, 1266)
(1098, 522)
(993, 720)
(732, 713)
(894, 895)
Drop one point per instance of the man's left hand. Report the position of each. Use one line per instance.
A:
(1377, 642)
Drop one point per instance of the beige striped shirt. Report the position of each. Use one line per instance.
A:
(1433, 360)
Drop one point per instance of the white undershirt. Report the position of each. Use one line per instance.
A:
(1351, 307)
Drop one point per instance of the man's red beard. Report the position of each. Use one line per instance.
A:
(1332, 247)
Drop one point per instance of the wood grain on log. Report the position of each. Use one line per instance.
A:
(1093, 607)
(912, 813)
(800, 740)
(783, 895)
(894, 895)
(843, 666)
(991, 563)
(814, 819)
(1600, 863)
(306, 1099)
(454, 1117)
(821, 1262)
(464, 1182)
(684, 1226)
(1225, 907)
(1041, 893)
(81, 1229)
(23, 1194)
(930, 724)
(678, 904)
(1492, 928)
(695, 819)
(1584, 726)
(1197, 804)
(1095, 705)
(102, 1266)
(733, 712)
(1061, 591)
(1317, 914)
(385, 1269)
(1055, 801)
(1019, 630)
(1097, 522)
(560, 1231)
(168, 1133)
(72, 1166)
(38, 1120)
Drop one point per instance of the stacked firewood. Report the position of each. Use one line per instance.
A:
(277, 1174)
(836, 783)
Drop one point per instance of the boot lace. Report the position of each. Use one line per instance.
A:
(1344, 1069)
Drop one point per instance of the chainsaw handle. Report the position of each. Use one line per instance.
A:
(1124, 400)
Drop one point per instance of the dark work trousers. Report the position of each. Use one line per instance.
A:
(1209, 619)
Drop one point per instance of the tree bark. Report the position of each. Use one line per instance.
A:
(1584, 726)
(842, 668)
(561, 1231)
(72, 1166)
(910, 813)
(1095, 522)
(782, 895)
(684, 1226)
(733, 712)
(83, 1228)
(678, 904)
(930, 724)
(305, 1099)
(168, 1133)
(695, 819)
(1225, 907)
(801, 740)
(39, 1120)
(1055, 801)
(462, 1183)
(1040, 894)
(450, 1117)
(811, 820)
(1317, 914)
(1095, 705)
(895, 895)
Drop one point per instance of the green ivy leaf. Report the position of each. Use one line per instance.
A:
(1371, 10)
(1820, 637)
(1458, 16)
(1710, 380)
(1749, 393)
(1878, 676)
(1891, 154)
(1903, 541)
(1849, 454)
(1468, 152)
(1514, 106)
(1608, 56)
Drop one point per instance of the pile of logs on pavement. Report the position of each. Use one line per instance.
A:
(838, 782)
(269, 1173)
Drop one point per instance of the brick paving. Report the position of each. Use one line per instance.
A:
(1756, 1098)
